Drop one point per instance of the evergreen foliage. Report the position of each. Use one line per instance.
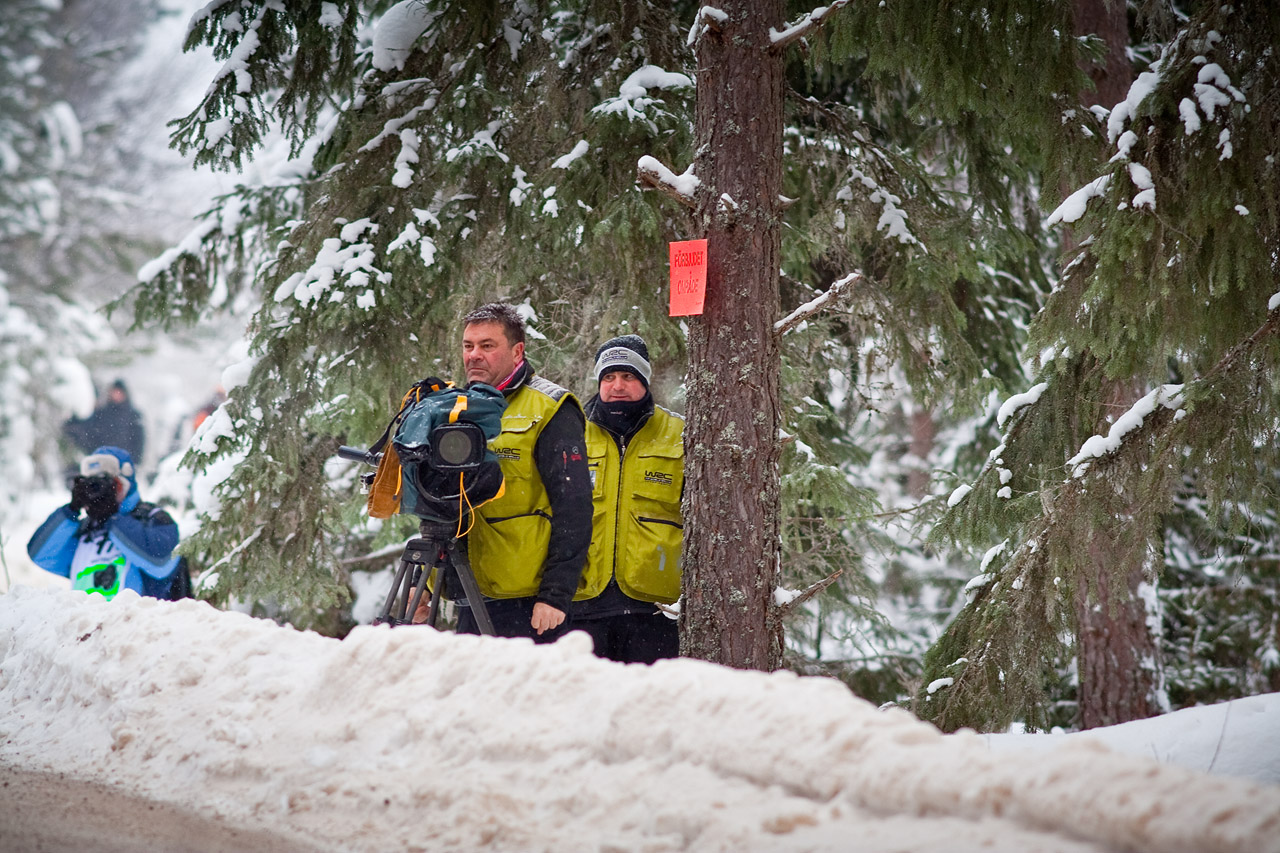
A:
(432, 185)
(449, 172)
(1171, 287)
(929, 191)
(442, 178)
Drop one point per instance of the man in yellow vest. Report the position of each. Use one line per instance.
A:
(635, 451)
(527, 546)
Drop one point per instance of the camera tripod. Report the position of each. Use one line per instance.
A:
(435, 550)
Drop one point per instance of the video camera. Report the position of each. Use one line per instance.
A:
(440, 440)
(438, 467)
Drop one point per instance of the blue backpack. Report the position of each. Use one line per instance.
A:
(409, 480)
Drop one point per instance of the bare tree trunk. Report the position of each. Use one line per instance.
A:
(1117, 654)
(923, 432)
(731, 432)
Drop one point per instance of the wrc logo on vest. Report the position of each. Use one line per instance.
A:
(507, 452)
(657, 477)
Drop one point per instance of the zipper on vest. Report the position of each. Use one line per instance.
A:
(617, 515)
(660, 521)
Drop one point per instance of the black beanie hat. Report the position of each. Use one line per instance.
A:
(628, 353)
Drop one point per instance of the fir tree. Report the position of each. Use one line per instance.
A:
(436, 178)
(439, 177)
(1172, 288)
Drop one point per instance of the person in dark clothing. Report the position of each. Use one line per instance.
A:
(115, 422)
(121, 542)
(527, 546)
(635, 452)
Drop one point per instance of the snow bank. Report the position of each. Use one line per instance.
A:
(408, 738)
(1238, 738)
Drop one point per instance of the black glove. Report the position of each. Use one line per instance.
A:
(77, 495)
(97, 495)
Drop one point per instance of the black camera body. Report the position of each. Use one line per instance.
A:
(96, 494)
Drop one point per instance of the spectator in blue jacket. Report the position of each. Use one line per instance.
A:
(120, 542)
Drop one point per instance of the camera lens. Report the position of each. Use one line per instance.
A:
(455, 447)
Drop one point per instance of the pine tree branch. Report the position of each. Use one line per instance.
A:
(805, 25)
(785, 610)
(652, 173)
(835, 293)
(373, 557)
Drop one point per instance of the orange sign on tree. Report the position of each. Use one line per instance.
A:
(688, 277)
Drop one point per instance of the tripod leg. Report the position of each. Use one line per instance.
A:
(469, 586)
(433, 612)
(417, 594)
(385, 615)
(406, 592)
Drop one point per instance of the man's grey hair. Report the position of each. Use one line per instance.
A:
(504, 315)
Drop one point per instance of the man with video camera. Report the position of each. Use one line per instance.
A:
(529, 545)
(121, 542)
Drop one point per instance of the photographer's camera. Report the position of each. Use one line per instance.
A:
(96, 495)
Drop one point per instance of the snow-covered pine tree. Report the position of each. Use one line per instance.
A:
(439, 177)
(445, 155)
(923, 121)
(1173, 287)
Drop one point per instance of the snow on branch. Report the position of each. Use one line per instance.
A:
(1097, 446)
(805, 25)
(651, 172)
(788, 601)
(1018, 401)
(708, 18)
(807, 310)
(1073, 208)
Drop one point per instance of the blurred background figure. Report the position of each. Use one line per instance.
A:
(114, 422)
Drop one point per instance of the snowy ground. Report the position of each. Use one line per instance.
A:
(411, 739)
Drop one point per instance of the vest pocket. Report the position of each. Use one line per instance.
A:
(651, 567)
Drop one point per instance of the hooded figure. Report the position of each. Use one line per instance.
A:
(114, 422)
(120, 541)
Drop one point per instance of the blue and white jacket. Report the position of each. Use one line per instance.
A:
(132, 550)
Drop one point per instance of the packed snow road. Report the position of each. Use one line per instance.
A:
(53, 813)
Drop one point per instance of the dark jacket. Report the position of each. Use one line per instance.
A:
(117, 424)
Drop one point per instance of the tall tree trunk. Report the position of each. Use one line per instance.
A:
(1117, 654)
(923, 432)
(731, 432)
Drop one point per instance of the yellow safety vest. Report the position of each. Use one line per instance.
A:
(507, 546)
(636, 529)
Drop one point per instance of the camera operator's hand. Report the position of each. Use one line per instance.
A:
(545, 618)
(78, 494)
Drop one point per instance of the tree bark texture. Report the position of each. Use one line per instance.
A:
(731, 431)
(923, 432)
(1117, 654)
